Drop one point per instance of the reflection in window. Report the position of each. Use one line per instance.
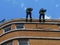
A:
(23, 42)
(19, 25)
(7, 28)
(7, 43)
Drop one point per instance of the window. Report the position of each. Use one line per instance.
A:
(23, 42)
(59, 26)
(7, 43)
(19, 26)
(7, 28)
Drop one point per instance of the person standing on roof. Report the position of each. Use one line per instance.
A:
(42, 14)
(29, 12)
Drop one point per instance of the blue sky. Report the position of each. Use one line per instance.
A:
(11, 9)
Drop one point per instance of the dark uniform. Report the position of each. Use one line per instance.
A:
(42, 14)
(28, 12)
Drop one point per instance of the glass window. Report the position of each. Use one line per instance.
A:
(23, 42)
(19, 26)
(7, 43)
(7, 28)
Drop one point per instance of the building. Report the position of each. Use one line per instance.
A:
(20, 32)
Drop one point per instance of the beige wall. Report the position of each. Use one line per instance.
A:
(1, 31)
(29, 33)
(41, 26)
(15, 42)
(35, 26)
(44, 42)
(13, 26)
(47, 26)
(30, 26)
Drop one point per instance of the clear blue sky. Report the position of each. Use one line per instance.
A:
(10, 9)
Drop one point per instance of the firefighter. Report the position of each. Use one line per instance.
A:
(28, 13)
(42, 15)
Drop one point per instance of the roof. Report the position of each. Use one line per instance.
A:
(34, 21)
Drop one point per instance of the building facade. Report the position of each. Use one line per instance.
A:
(20, 32)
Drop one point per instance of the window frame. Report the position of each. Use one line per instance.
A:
(20, 25)
(6, 27)
(9, 42)
(23, 40)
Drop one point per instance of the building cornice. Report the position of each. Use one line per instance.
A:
(34, 30)
(34, 21)
(49, 23)
(31, 37)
